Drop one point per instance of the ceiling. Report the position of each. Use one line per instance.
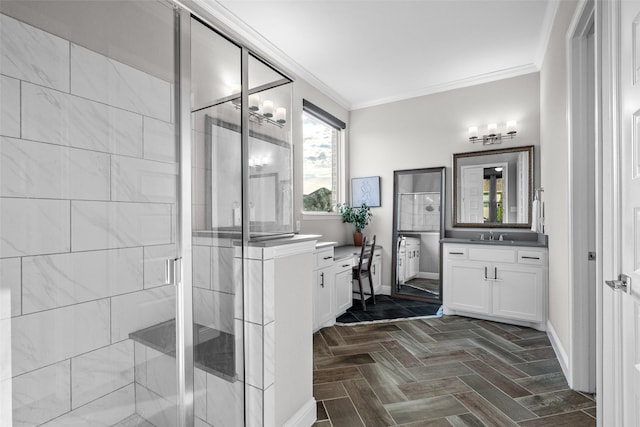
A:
(364, 53)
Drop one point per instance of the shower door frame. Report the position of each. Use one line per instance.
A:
(184, 11)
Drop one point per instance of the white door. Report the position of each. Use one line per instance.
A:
(620, 388)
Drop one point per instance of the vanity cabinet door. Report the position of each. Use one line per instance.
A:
(323, 295)
(344, 298)
(518, 292)
(376, 272)
(467, 288)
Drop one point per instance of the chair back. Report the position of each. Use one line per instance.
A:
(373, 247)
(362, 252)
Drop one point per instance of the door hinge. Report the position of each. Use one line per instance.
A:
(591, 256)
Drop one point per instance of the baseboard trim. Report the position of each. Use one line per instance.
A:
(305, 416)
(561, 354)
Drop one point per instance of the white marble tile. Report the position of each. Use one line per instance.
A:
(159, 412)
(103, 412)
(259, 354)
(33, 169)
(30, 54)
(155, 258)
(11, 283)
(255, 407)
(101, 372)
(213, 309)
(41, 395)
(63, 119)
(202, 266)
(260, 303)
(269, 412)
(52, 281)
(140, 360)
(200, 393)
(159, 140)
(140, 180)
(99, 78)
(200, 423)
(131, 312)
(225, 274)
(9, 107)
(225, 402)
(32, 227)
(106, 225)
(78, 329)
(161, 374)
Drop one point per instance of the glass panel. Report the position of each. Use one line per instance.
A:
(217, 228)
(87, 213)
(270, 153)
(319, 165)
(419, 220)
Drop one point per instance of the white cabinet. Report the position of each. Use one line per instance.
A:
(343, 276)
(504, 283)
(376, 271)
(408, 259)
(323, 289)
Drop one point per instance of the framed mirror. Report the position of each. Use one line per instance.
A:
(493, 188)
(418, 226)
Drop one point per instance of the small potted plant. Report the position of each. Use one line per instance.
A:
(358, 216)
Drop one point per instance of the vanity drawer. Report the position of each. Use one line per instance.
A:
(456, 252)
(484, 253)
(324, 258)
(531, 257)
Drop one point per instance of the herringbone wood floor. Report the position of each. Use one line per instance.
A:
(449, 371)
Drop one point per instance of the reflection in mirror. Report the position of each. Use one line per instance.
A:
(493, 188)
(418, 209)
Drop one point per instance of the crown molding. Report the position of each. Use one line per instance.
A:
(263, 47)
(547, 28)
(456, 84)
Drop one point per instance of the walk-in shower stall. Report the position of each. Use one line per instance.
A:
(142, 149)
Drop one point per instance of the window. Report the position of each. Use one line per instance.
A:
(321, 134)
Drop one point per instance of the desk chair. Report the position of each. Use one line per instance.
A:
(362, 270)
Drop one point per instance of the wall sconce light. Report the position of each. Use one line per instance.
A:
(257, 113)
(493, 136)
(259, 162)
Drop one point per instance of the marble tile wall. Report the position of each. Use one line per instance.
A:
(87, 219)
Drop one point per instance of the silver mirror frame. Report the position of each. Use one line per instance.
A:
(457, 156)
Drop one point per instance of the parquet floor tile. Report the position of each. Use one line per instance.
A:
(441, 372)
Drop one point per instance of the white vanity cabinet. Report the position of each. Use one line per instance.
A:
(376, 271)
(412, 258)
(323, 289)
(503, 283)
(343, 293)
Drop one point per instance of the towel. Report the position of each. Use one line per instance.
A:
(535, 216)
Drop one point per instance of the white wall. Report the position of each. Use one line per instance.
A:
(554, 161)
(425, 132)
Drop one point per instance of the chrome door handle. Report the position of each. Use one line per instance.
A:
(616, 285)
(622, 284)
(171, 271)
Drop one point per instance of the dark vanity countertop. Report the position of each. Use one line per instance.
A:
(214, 351)
(542, 243)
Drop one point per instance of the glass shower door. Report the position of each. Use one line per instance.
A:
(88, 213)
(217, 221)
